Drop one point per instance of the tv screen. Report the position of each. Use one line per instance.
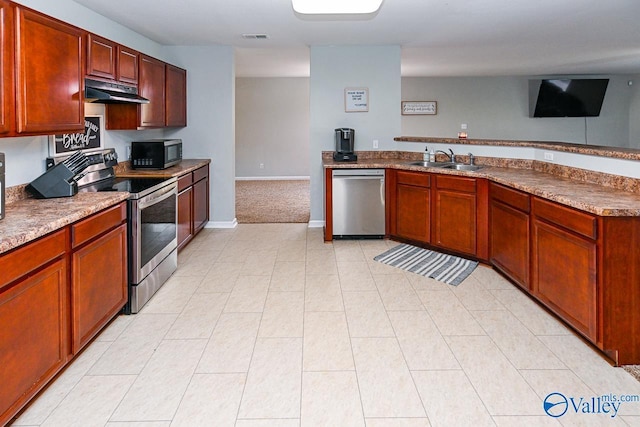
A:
(570, 97)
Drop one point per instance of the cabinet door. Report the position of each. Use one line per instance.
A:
(454, 214)
(564, 275)
(34, 340)
(99, 284)
(176, 105)
(50, 73)
(413, 211)
(200, 204)
(128, 60)
(509, 231)
(152, 87)
(185, 216)
(101, 57)
(7, 83)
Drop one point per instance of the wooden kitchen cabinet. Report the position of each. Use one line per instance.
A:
(454, 214)
(99, 272)
(509, 232)
(176, 93)
(101, 57)
(200, 198)
(412, 219)
(193, 204)
(564, 262)
(127, 65)
(7, 82)
(49, 57)
(34, 314)
(152, 86)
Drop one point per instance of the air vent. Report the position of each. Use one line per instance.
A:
(255, 36)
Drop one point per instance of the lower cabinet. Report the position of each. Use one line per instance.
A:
(454, 214)
(413, 206)
(193, 204)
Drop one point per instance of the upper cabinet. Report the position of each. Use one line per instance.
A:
(128, 60)
(7, 84)
(49, 57)
(176, 93)
(101, 57)
(152, 87)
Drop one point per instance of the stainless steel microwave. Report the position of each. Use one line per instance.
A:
(156, 153)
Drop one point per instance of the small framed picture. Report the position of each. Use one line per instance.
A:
(91, 139)
(419, 107)
(356, 100)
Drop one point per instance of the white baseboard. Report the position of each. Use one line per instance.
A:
(273, 178)
(316, 224)
(222, 224)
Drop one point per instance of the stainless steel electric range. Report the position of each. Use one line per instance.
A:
(152, 224)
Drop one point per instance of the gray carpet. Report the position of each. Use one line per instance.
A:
(272, 201)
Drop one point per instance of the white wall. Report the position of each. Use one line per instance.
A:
(210, 131)
(272, 127)
(332, 70)
(498, 108)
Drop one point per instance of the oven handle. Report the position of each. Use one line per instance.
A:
(158, 196)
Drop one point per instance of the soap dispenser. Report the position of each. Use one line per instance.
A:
(432, 156)
(426, 155)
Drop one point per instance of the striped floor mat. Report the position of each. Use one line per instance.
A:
(444, 268)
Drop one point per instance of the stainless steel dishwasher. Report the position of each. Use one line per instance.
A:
(358, 203)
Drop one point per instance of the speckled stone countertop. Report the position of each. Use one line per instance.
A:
(28, 219)
(604, 200)
(185, 166)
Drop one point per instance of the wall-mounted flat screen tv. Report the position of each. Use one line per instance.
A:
(569, 97)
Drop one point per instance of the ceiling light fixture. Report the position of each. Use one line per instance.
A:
(335, 7)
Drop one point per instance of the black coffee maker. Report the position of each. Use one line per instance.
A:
(344, 145)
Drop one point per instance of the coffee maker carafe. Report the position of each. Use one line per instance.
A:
(344, 145)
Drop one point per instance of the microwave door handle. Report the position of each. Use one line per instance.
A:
(158, 196)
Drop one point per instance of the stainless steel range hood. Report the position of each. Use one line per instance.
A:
(111, 93)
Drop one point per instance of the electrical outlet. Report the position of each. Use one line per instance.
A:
(548, 156)
(261, 165)
(128, 152)
(463, 126)
(375, 143)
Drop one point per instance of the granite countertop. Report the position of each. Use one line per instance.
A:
(597, 199)
(28, 219)
(185, 166)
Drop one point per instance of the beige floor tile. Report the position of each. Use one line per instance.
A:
(534, 317)
(173, 296)
(274, 381)
(348, 251)
(47, 401)
(192, 268)
(221, 278)
(283, 315)
(421, 343)
(397, 293)
(376, 245)
(330, 399)
(91, 402)
(366, 315)
(129, 353)
(450, 399)
(448, 313)
(321, 262)
(526, 421)
(422, 283)
(491, 279)
(231, 345)
(210, 399)
(327, 346)
(156, 393)
(139, 424)
(386, 386)
(355, 276)
(248, 295)
(288, 276)
(475, 297)
(280, 422)
(631, 420)
(199, 317)
(322, 293)
(115, 328)
(378, 267)
(259, 263)
(397, 422)
(500, 386)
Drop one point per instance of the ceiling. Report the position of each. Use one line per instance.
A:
(438, 37)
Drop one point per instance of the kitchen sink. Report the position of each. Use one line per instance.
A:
(462, 167)
(430, 164)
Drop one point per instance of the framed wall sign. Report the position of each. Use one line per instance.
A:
(356, 99)
(419, 107)
(91, 139)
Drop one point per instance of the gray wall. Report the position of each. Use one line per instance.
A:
(498, 107)
(272, 127)
(374, 67)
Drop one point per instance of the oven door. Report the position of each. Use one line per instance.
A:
(154, 236)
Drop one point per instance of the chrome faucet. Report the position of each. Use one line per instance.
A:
(452, 157)
(472, 159)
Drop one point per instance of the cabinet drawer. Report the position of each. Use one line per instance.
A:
(200, 173)
(456, 183)
(97, 224)
(571, 219)
(31, 256)
(511, 197)
(185, 181)
(414, 178)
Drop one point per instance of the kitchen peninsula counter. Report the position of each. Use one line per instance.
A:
(553, 182)
(123, 169)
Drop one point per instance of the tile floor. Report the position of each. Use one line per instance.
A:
(266, 325)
